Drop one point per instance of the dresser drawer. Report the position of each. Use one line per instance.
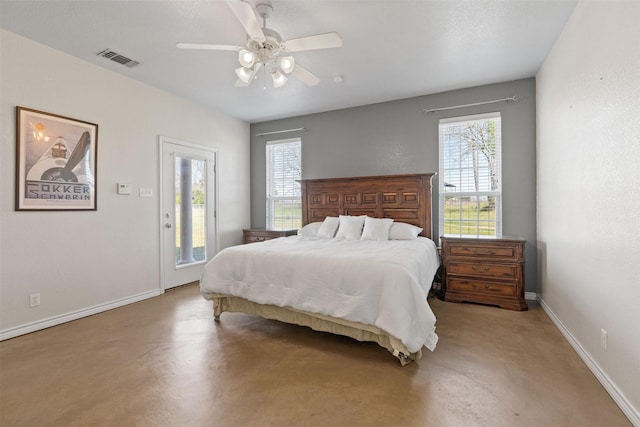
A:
(484, 251)
(480, 286)
(500, 271)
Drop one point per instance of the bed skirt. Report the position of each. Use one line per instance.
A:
(318, 322)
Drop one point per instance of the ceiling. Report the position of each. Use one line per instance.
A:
(392, 49)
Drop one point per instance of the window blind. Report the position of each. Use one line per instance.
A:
(470, 175)
(284, 201)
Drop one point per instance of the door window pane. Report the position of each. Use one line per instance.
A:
(190, 209)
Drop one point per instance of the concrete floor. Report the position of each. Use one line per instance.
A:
(164, 362)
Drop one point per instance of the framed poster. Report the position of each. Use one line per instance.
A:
(55, 162)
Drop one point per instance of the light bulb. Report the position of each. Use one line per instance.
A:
(279, 79)
(246, 58)
(244, 74)
(287, 63)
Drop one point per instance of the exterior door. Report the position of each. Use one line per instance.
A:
(188, 204)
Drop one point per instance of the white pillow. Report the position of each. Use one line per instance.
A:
(328, 227)
(403, 231)
(350, 227)
(310, 229)
(376, 228)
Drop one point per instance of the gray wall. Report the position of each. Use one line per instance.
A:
(398, 137)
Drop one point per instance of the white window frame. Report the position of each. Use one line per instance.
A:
(273, 220)
(445, 188)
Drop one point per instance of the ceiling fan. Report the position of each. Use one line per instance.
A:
(266, 49)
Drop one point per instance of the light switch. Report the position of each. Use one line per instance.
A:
(124, 188)
(146, 192)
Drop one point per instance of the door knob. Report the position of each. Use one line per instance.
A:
(167, 225)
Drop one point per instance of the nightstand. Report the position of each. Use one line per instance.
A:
(484, 270)
(253, 235)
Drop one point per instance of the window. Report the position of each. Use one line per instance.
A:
(470, 176)
(284, 202)
(190, 209)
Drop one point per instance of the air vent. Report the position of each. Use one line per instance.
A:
(120, 59)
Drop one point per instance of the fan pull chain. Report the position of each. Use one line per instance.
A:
(264, 78)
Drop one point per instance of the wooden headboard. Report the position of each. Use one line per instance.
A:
(404, 198)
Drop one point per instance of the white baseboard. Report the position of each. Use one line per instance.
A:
(74, 315)
(531, 296)
(627, 408)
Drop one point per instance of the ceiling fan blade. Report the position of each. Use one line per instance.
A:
(247, 17)
(204, 46)
(319, 41)
(306, 76)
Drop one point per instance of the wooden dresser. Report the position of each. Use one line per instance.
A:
(253, 235)
(484, 270)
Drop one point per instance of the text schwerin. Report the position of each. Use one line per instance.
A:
(58, 191)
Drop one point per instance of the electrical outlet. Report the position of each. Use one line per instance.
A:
(603, 339)
(34, 300)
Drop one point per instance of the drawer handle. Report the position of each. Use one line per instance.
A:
(482, 251)
(480, 269)
(480, 287)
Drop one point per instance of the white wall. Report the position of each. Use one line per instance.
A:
(83, 260)
(588, 174)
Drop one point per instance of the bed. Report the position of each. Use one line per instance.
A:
(331, 281)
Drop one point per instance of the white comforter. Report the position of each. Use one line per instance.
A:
(381, 283)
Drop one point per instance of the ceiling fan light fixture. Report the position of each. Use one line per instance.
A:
(279, 79)
(246, 58)
(286, 63)
(265, 48)
(245, 74)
